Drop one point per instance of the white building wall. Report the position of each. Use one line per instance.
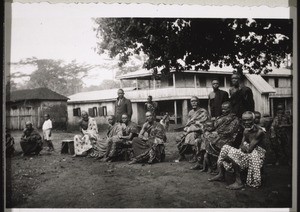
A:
(261, 101)
(73, 120)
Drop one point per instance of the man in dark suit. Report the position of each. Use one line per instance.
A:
(241, 97)
(215, 99)
(122, 106)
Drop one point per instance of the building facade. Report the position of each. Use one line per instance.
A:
(173, 92)
(32, 104)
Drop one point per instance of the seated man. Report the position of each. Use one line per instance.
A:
(257, 120)
(31, 141)
(186, 144)
(227, 126)
(149, 145)
(100, 147)
(249, 156)
(129, 131)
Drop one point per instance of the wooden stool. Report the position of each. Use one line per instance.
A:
(67, 147)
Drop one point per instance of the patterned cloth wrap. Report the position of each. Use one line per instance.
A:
(252, 161)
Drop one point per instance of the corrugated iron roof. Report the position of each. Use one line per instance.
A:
(92, 96)
(279, 72)
(33, 94)
(212, 70)
(260, 84)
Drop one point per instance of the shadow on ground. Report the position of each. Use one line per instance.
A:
(60, 181)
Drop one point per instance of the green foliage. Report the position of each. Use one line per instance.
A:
(252, 45)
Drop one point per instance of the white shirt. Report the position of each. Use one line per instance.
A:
(47, 125)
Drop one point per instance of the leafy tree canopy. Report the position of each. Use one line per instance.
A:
(187, 43)
(56, 75)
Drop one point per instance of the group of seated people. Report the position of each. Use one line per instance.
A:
(123, 139)
(226, 143)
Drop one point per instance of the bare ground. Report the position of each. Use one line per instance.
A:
(60, 181)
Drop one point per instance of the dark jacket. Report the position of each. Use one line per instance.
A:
(123, 107)
(241, 100)
(215, 104)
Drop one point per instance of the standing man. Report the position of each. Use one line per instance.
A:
(216, 99)
(151, 106)
(241, 97)
(122, 106)
(47, 128)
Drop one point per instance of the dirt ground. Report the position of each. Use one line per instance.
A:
(60, 181)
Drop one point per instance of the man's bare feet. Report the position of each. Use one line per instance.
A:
(181, 158)
(98, 158)
(203, 170)
(235, 186)
(217, 178)
(196, 167)
(212, 172)
(132, 162)
(193, 160)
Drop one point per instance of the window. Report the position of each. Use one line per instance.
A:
(202, 81)
(228, 81)
(95, 111)
(266, 79)
(76, 112)
(276, 82)
(92, 111)
(102, 111)
(170, 81)
(158, 83)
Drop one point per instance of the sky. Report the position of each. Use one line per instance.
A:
(65, 31)
(56, 32)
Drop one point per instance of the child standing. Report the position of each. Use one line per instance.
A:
(47, 127)
(280, 130)
(165, 121)
(209, 136)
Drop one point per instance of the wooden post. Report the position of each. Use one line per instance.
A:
(184, 111)
(19, 127)
(174, 81)
(30, 115)
(225, 85)
(154, 83)
(285, 104)
(39, 117)
(136, 83)
(195, 80)
(271, 107)
(175, 111)
(121, 83)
